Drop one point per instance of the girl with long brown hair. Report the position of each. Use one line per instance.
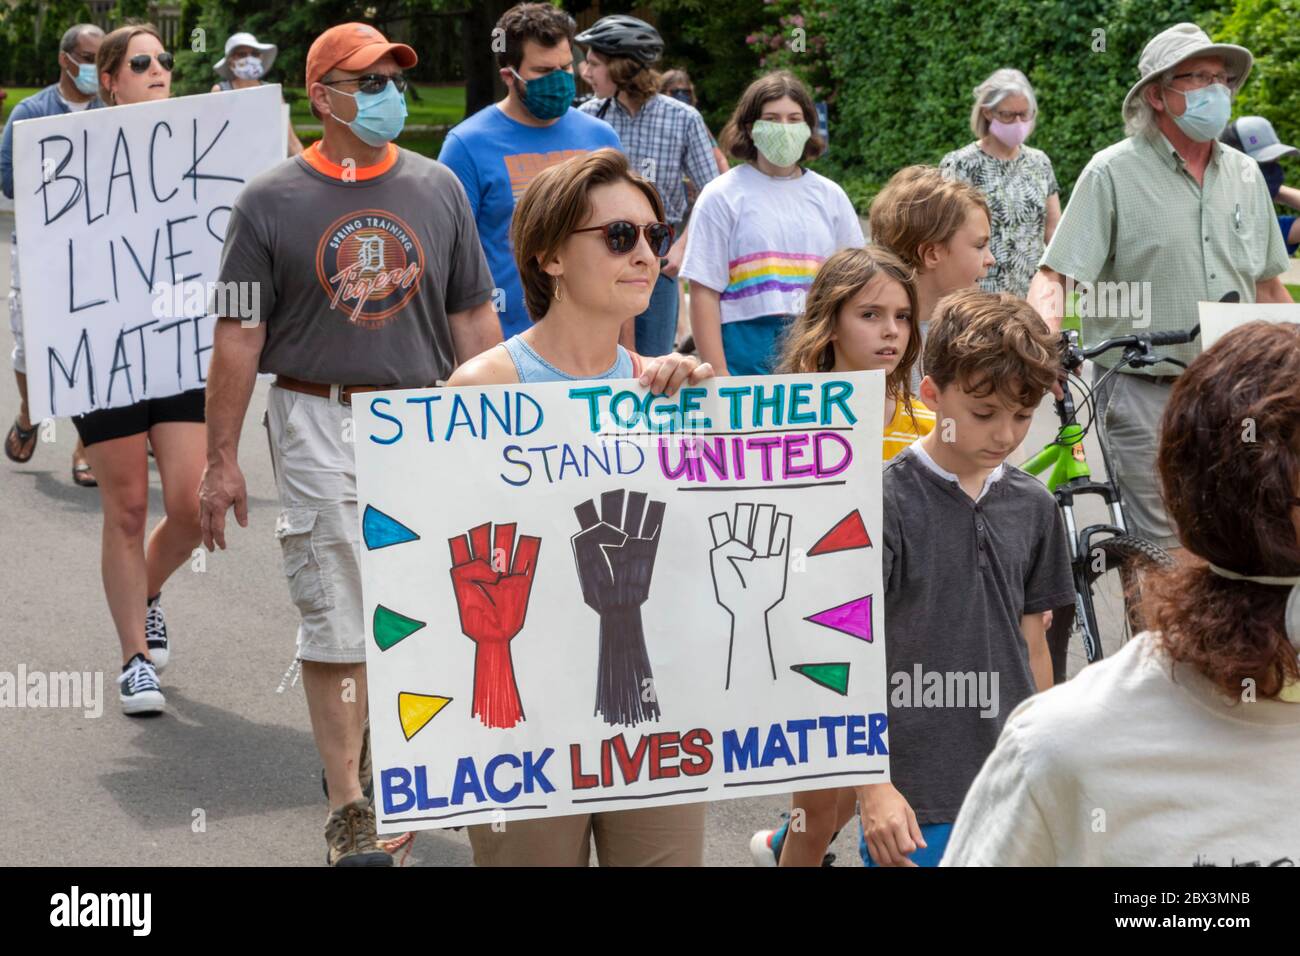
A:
(1185, 745)
(861, 315)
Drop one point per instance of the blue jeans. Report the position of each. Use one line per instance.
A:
(656, 327)
(936, 838)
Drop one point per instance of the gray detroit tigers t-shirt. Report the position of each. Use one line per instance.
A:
(958, 576)
(354, 280)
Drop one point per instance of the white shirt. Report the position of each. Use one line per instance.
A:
(1136, 762)
(925, 459)
(72, 107)
(759, 240)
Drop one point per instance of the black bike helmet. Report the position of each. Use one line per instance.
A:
(621, 35)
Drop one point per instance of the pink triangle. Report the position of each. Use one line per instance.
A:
(852, 618)
(848, 534)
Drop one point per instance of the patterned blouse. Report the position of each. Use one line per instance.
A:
(1017, 191)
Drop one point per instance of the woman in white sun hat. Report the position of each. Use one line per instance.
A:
(245, 63)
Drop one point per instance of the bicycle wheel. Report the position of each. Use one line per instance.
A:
(1109, 590)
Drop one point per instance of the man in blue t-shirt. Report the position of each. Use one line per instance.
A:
(496, 152)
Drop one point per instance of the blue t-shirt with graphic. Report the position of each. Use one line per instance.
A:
(1285, 223)
(495, 158)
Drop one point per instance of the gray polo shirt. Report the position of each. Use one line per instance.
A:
(1138, 216)
(958, 576)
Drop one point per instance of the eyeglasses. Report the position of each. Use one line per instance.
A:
(79, 57)
(373, 82)
(621, 236)
(140, 62)
(1203, 78)
(1004, 116)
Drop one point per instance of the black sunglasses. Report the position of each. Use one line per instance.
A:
(373, 82)
(140, 62)
(621, 236)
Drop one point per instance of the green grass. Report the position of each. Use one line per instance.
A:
(1295, 292)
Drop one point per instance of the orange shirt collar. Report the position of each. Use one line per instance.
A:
(313, 158)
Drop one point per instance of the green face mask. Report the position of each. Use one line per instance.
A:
(781, 144)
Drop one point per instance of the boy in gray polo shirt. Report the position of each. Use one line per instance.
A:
(974, 553)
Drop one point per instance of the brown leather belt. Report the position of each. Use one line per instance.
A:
(340, 393)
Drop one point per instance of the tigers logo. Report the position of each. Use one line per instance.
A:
(369, 263)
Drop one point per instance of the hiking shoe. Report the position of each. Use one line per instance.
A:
(350, 837)
(138, 687)
(765, 846)
(365, 771)
(155, 634)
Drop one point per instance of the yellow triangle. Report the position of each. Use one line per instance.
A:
(416, 710)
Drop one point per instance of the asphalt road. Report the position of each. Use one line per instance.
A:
(229, 775)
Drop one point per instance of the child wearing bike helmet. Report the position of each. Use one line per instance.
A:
(973, 553)
(1189, 737)
(939, 227)
(860, 315)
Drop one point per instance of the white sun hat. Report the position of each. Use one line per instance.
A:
(1181, 42)
(268, 51)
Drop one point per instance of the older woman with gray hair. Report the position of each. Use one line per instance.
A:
(1018, 181)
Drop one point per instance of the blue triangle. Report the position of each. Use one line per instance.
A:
(380, 530)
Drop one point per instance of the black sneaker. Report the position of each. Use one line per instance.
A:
(155, 634)
(138, 687)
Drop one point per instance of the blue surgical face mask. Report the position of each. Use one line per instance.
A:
(380, 116)
(86, 79)
(1207, 112)
(548, 97)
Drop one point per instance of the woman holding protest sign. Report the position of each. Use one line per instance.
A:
(133, 67)
(588, 235)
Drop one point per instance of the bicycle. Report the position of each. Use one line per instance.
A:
(1098, 549)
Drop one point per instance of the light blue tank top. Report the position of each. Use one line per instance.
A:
(531, 367)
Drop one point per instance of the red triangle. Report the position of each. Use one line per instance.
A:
(848, 534)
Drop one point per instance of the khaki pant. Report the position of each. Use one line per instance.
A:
(652, 836)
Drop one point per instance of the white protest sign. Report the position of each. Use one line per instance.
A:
(120, 214)
(1220, 318)
(579, 597)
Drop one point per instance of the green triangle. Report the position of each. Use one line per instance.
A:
(832, 676)
(391, 627)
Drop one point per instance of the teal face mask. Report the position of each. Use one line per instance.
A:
(548, 97)
(380, 116)
(86, 80)
(1207, 112)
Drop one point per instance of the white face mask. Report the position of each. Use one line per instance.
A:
(249, 68)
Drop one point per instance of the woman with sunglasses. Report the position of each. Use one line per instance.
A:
(588, 235)
(133, 67)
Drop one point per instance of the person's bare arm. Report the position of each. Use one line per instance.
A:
(1272, 290)
(493, 367)
(1288, 196)
(1053, 217)
(1047, 296)
(673, 261)
(1034, 629)
(706, 326)
(474, 330)
(295, 144)
(231, 375)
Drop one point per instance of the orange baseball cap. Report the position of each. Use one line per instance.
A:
(353, 46)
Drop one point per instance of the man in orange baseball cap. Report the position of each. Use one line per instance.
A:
(365, 270)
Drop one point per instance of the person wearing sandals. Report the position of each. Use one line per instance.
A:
(245, 63)
(133, 67)
(75, 90)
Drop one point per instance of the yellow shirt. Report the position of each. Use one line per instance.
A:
(901, 431)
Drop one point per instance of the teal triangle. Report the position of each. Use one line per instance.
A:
(390, 627)
(831, 676)
(381, 530)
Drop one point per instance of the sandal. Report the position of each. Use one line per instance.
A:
(25, 442)
(83, 476)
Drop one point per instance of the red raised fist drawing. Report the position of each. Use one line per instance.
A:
(492, 597)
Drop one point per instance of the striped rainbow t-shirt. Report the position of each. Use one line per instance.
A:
(770, 271)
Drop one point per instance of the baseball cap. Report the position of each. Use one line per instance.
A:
(1260, 141)
(353, 46)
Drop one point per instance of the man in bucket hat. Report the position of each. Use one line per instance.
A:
(1160, 221)
(365, 269)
